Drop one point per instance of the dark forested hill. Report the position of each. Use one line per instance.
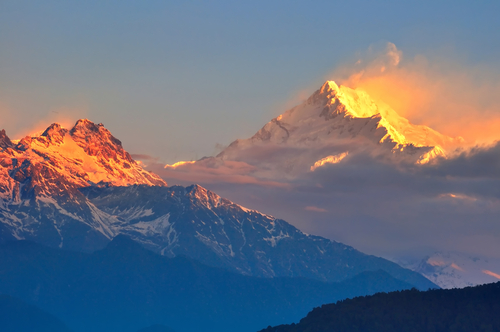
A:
(125, 287)
(468, 309)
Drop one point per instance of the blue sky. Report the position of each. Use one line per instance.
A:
(173, 79)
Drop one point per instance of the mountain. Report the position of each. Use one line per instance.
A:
(334, 123)
(335, 115)
(40, 178)
(18, 316)
(468, 309)
(197, 223)
(78, 189)
(457, 270)
(125, 287)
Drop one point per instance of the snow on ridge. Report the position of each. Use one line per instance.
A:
(153, 227)
(273, 240)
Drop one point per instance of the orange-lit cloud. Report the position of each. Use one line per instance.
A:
(454, 99)
(212, 170)
(458, 197)
(179, 163)
(493, 274)
(65, 116)
(315, 209)
(456, 267)
(434, 262)
(7, 118)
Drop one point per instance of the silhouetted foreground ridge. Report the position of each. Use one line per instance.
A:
(467, 309)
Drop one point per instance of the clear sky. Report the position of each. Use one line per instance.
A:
(172, 79)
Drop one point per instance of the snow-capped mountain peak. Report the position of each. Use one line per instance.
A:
(336, 120)
(332, 100)
(61, 158)
(457, 270)
(41, 177)
(5, 141)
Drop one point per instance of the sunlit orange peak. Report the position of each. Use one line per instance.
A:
(435, 262)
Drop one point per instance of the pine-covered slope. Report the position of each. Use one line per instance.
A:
(467, 309)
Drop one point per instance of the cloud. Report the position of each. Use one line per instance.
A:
(65, 116)
(210, 170)
(476, 162)
(374, 204)
(6, 117)
(20, 119)
(314, 209)
(143, 157)
(456, 267)
(493, 274)
(449, 96)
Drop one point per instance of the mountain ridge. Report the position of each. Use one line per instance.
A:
(49, 197)
(124, 287)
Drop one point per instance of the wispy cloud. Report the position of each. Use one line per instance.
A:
(210, 170)
(437, 91)
(315, 209)
(493, 274)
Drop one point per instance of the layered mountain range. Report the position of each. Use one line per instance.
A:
(124, 287)
(320, 139)
(78, 189)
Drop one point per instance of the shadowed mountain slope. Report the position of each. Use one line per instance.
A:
(77, 189)
(125, 287)
(18, 316)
